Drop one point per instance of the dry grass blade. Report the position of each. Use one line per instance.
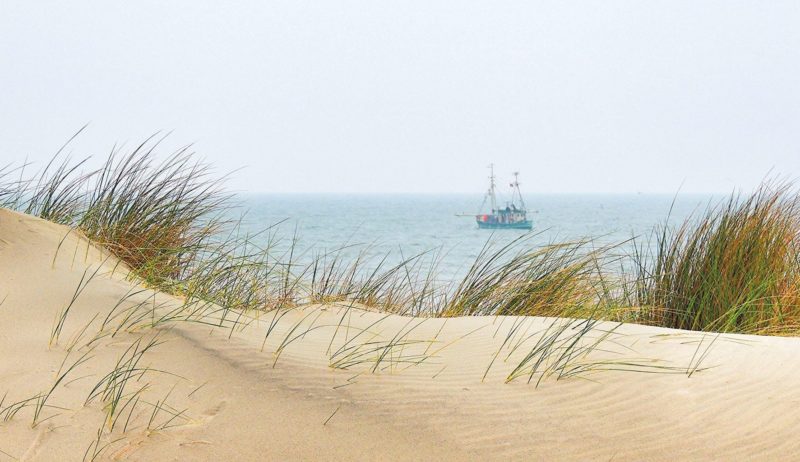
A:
(563, 351)
(61, 318)
(111, 388)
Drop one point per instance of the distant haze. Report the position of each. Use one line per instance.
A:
(416, 96)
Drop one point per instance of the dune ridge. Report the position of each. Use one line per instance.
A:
(335, 382)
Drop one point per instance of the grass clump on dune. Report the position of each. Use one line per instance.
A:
(156, 216)
(166, 217)
(553, 280)
(734, 269)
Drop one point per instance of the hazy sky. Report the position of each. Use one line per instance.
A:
(416, 96)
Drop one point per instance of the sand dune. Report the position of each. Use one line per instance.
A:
(339, 383)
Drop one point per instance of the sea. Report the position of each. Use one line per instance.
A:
(394, 227)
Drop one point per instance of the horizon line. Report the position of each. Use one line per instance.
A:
(474, 193)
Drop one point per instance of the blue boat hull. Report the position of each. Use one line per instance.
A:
(518, 225)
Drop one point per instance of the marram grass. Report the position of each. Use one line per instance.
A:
(735, 268)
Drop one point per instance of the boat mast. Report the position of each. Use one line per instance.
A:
(491, 193)
(515, 190)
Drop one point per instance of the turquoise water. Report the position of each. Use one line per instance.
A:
(404, 225)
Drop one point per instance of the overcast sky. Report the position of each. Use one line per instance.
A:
(416, 96)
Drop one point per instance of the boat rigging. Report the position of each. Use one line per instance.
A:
(513, 216)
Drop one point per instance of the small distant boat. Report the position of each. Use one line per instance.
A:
(513, 216)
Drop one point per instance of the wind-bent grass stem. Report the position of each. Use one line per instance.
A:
(61, 318)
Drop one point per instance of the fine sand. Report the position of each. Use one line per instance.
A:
(340, 383)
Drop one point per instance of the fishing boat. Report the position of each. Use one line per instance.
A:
(513, 216)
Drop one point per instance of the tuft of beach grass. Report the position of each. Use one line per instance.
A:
(734, 268)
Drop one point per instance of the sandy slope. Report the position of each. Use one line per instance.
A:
(424, 398)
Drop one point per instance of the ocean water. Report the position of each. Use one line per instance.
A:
(404, 225)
